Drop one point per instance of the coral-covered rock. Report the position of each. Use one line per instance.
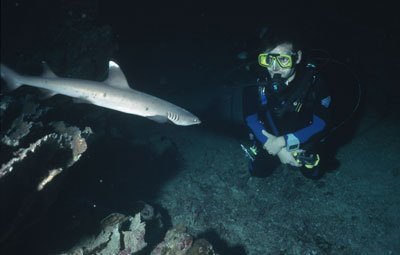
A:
(120, 235)
(176, 242)
(134, 237)
(147, 212)
(201, 247)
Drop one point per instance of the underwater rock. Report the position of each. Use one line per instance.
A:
(201, 247)
(5, 103)
(33, 156)
(78, 144)
(124, 235)
(56, 144)
(21, 126)
(147, 212)
(176, 242)
(19, 129)
(134, 236)
(29, 126)
(120, 234)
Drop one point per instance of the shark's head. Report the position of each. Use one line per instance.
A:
(184, 118)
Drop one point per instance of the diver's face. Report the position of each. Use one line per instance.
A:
(275, 68)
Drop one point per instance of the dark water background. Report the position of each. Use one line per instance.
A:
(187, 54)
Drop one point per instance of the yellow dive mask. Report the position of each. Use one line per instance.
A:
(284, 60)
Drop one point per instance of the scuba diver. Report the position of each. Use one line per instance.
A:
(288, 111)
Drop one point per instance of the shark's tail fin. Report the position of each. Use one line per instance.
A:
(10, 77)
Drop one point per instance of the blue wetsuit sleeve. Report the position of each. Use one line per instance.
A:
(255, 125)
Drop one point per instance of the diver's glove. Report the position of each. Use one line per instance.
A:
(287, 157)
(273, 144)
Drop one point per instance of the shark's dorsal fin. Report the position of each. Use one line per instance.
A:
(47, 73)
(116, 77)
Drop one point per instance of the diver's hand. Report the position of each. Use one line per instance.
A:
(287, 157)
(273, 144)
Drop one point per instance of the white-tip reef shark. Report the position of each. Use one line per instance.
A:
(113, 93)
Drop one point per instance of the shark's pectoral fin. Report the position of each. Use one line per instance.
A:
(81, 101)
(46, 93)
(47, 73)
(158, 118)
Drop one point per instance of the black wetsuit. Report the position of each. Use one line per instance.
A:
(283, 116)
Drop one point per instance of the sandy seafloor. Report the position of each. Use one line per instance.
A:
(352, 210)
